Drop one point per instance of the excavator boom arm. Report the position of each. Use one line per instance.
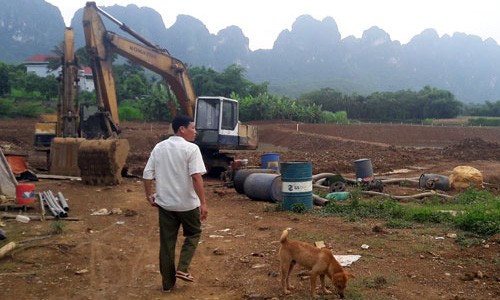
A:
(102, 59)
(171, 69)
(103, 44)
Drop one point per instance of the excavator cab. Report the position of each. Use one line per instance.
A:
(218, 126)
(96, 123)
(216, 120)
(219, 130)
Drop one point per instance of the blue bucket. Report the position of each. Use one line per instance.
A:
(296, 179)
(270, 161)
(263, 187)
(364, 169)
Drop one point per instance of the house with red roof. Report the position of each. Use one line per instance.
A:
(38, 64)
(86, 82)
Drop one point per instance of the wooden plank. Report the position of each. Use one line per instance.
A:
(58, 177)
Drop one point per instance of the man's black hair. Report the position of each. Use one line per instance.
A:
(181, 120)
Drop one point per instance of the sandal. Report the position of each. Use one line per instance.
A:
(184, 276)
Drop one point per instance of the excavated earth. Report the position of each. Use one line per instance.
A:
(115, 256)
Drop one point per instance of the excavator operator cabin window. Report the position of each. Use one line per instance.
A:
(229, 115)
(207, 116)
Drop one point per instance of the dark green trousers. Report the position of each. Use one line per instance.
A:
(170, 222)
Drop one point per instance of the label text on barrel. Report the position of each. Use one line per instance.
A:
(297, 187)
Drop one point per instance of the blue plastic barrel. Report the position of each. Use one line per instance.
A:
(263, 187)
(296, 179)
(270, 161)
(364, 169)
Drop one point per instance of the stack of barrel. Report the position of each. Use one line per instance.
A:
(286, 182)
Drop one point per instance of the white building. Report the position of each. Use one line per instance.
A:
(86, 82)
(38, 64)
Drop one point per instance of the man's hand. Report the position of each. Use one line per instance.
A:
(151, 200)
(148, 188)
(198, 188)
(203, 212)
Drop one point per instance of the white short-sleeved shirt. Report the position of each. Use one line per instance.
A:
(171, 163)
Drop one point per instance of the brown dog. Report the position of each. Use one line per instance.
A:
(320, 261)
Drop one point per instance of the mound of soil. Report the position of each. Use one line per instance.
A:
(470, 149)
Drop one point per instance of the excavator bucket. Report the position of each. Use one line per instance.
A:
(101, 161)
(64, 156)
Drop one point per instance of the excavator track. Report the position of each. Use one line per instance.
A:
(101, 161)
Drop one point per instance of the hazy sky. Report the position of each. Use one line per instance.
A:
(263, 20)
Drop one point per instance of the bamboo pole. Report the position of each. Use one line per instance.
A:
(39, 218)
(7, 248)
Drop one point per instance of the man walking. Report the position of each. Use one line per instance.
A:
(177, 167)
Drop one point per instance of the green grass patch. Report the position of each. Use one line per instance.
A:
(399, 224)
(484, 121)
(376, 282)
(467, 239)
(57, 227)
(299, 208)
(10, 108)
(475, 211)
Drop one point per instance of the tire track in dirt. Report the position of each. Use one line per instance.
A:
(128, 259)
(142, 262)
(334, 138)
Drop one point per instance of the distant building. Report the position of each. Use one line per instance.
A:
(86, 82)
(38, 64)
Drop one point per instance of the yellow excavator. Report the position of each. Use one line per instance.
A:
(96, 147)
(216, 118)
(81, 140)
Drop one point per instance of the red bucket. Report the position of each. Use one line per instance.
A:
(25, 193)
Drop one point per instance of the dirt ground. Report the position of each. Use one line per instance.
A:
(116, 256)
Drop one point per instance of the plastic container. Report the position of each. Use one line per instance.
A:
(25, 193)
(22, 219)
(339, 196)
(364, 169)
(270, 161)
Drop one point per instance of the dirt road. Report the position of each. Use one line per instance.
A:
(116, 256)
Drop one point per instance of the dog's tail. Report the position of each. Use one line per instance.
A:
(284, 236)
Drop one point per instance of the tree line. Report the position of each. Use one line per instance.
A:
(142, 95)
(401, 106)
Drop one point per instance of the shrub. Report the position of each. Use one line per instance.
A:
(130, 113)
(299, 208)
(57, 227)
(484, 121)
(6, 107)
(479, 220)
